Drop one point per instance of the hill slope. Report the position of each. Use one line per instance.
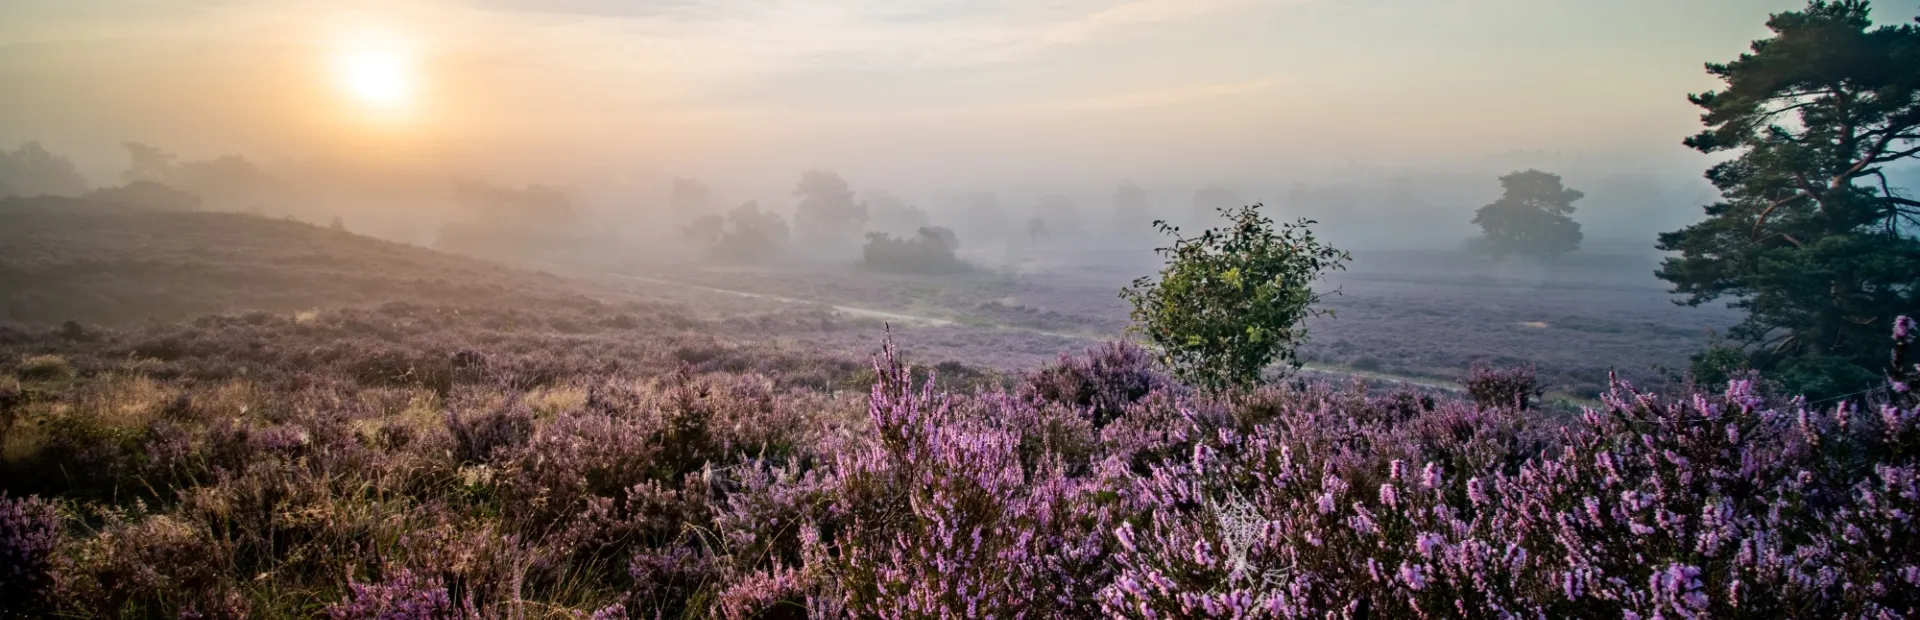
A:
(65, 259)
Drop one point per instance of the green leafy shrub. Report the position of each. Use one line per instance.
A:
(1230, 301)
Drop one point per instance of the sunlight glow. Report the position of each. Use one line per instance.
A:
(377, 72)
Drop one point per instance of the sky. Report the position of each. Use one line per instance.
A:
(915, 93)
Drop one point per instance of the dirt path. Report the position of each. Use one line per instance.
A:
(849, 310)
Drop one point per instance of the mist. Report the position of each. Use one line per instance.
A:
(1387, 121)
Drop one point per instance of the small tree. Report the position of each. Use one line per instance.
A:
(1230, 302)
(1531, 218)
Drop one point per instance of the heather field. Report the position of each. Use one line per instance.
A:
(943, 310)
(516, 444)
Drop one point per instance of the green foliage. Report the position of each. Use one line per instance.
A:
(1718, 363)
(1230, 301)
(1810, 237)
(1531, 218)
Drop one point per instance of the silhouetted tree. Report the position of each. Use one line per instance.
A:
(147, 163)
(147, 195)
(32, 170)
(1132, 212)
(827, 210)
(1531, 218)
(1809, 236)
(929, 251)
(747, 234)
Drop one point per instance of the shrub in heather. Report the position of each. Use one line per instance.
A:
(402, 596)
(1903, 380)
(1102, 382)
(935, 515)
(144, 565)
(29, 532)
(1514, 387)
(1697, 507)
(479, 437)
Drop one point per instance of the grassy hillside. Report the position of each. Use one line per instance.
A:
(67, 259)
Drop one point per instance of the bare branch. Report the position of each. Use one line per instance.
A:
(1841, 180)
(1762, 218)
(1895, 156)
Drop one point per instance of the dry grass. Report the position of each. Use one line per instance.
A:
(123, 401)
(550, 401)
(45, 368)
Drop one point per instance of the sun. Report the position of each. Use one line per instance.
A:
(377, 74)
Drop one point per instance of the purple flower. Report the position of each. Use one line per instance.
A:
(29, 531)
(1430, 475)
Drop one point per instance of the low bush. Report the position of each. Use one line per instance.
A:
(44, 368)
(930, 251)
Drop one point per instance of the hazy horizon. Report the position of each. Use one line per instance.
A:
(922, 93)
(930, 100)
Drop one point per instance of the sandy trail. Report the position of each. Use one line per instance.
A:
(849, 310)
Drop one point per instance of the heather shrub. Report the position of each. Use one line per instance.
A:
(30, 530)
(402, 595)
(1514, 387)
(479, 437)
(1701, 506)
(935, 515)
(137, 565)
(1102, 382)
